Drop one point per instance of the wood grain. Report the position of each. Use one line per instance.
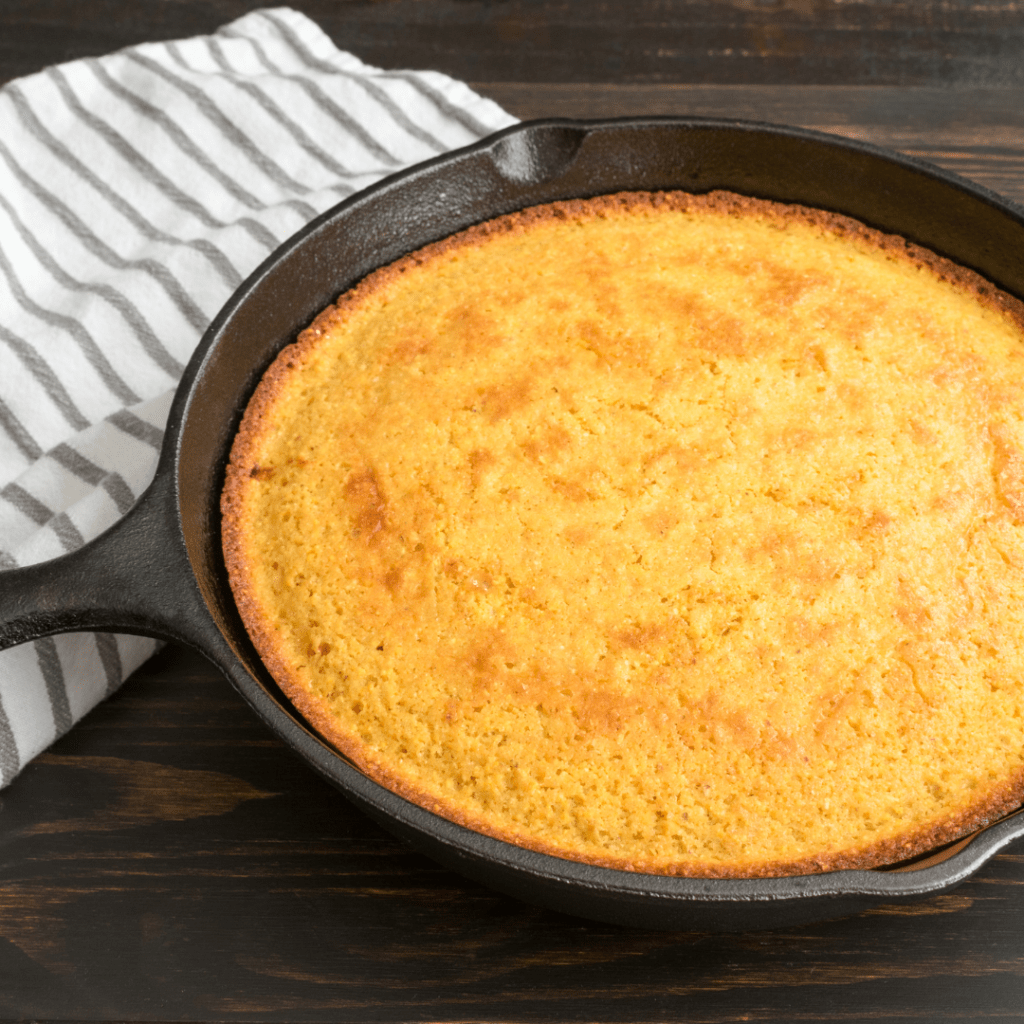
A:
(876, 42)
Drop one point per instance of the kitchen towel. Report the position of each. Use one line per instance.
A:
(137, 191)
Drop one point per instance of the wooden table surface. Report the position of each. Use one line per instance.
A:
(171, 860)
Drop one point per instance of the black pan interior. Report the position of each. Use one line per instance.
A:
(523, 166)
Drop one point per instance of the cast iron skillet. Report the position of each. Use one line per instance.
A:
(159, 571)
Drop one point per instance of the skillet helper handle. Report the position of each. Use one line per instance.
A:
(133, 578)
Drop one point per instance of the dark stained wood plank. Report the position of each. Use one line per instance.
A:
(948, 113)
(878, 42)
(799, 41)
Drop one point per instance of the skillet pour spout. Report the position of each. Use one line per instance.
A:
(159, 571)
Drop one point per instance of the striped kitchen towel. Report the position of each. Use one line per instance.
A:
(136, 192)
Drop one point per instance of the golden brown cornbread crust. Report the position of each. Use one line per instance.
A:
(247, 472)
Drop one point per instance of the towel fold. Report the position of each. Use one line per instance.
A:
(137, 191)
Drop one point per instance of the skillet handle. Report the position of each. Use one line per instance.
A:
(134, 578)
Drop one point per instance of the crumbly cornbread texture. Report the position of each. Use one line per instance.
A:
(676, 534)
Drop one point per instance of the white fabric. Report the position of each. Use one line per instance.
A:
(136, 192)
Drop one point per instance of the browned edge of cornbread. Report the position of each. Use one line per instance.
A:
(242, 468)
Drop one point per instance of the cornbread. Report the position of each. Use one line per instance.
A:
(678, 534)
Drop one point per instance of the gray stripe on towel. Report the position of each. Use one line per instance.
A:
(127, 422)
(68, 534)
(110, 657)
(15, 429)
(10, 759)
(27, 504)
(48, 380)
(53, 677)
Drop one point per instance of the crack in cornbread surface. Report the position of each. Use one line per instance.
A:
(670, 533)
